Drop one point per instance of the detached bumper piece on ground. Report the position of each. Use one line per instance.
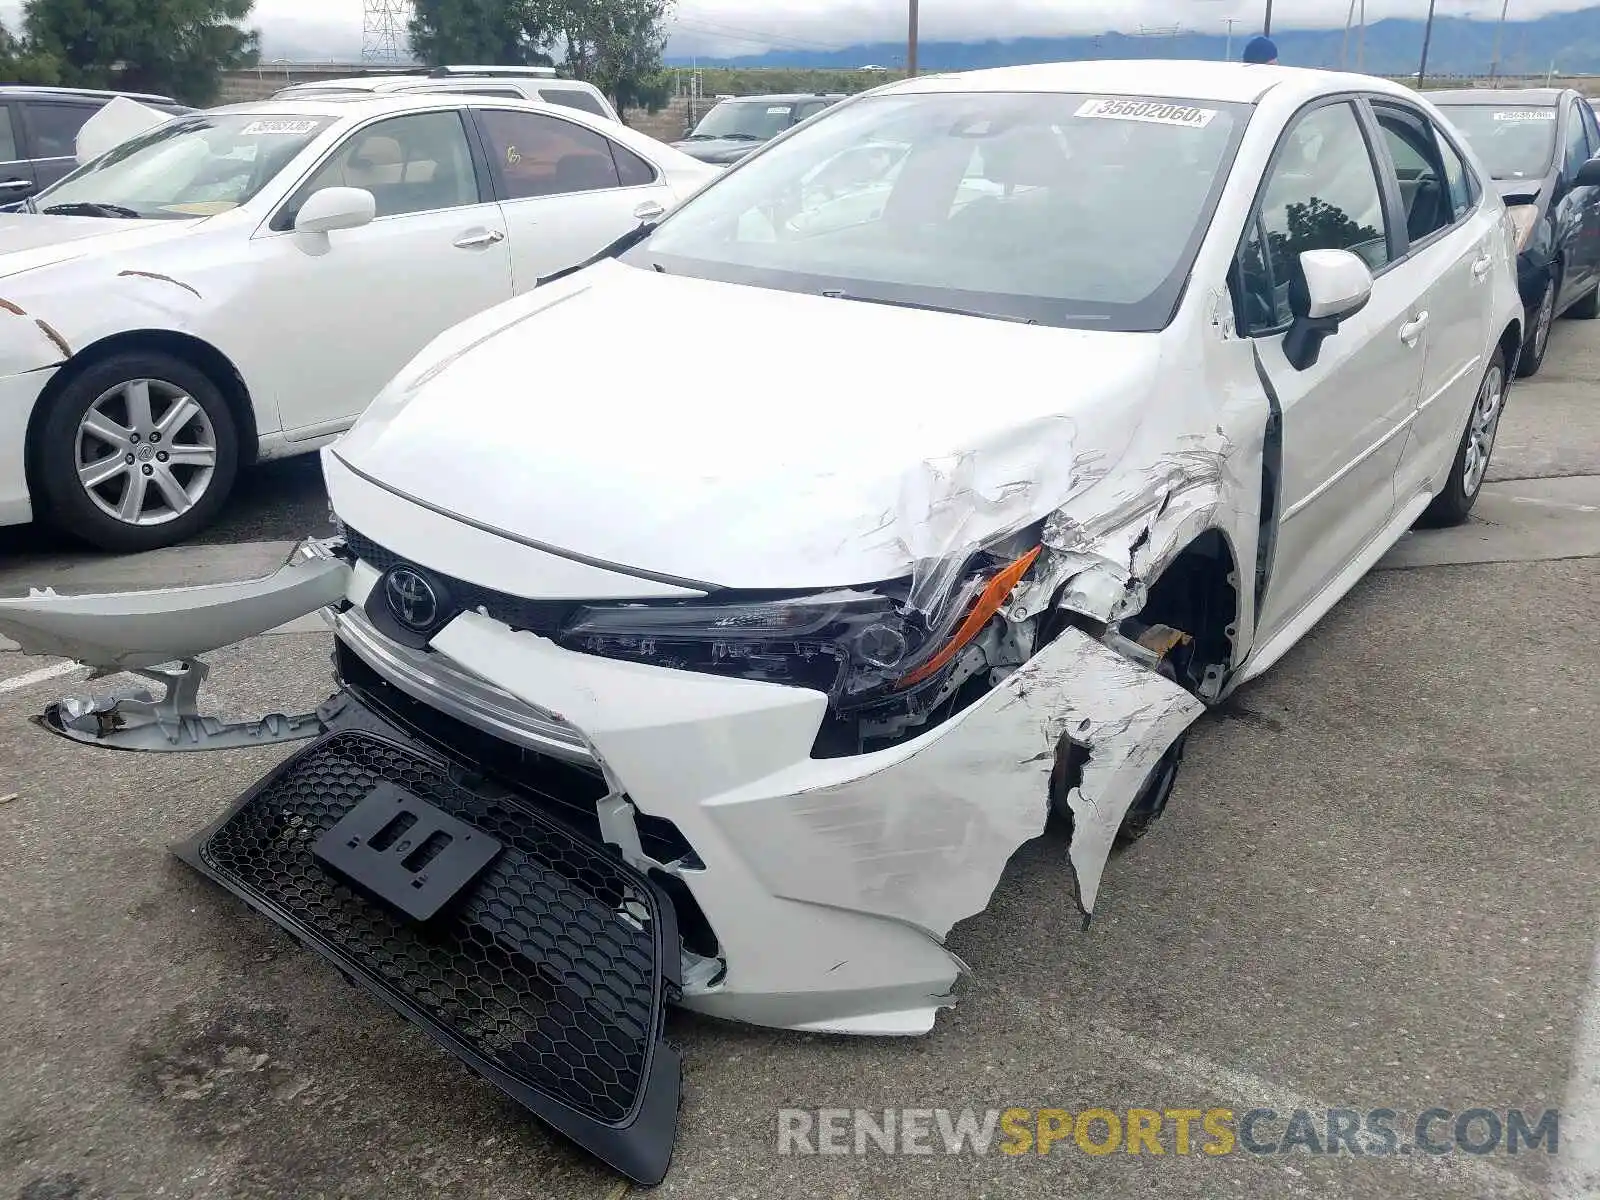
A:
(534, 957)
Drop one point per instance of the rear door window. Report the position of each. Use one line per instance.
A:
(52, 128)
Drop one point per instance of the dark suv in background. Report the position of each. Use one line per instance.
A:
(737, 126)
(39, 133)
(1533, 142)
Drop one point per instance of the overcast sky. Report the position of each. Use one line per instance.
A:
(729, 27)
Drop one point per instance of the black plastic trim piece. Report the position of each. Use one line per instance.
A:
(638, 1146)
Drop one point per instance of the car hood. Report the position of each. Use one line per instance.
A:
(29, 241)
(836, 443)
(718, 150)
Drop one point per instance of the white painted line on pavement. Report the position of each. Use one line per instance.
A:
(1543, 503)
(1577, 1173)
(1481, 1175)
(17, 682)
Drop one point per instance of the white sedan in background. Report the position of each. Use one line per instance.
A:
(236, 285)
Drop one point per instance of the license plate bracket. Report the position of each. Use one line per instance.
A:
(405, 851)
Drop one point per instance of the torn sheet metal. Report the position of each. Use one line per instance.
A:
(952, 506)
(134, 631)
(119, 121)
(924, 837)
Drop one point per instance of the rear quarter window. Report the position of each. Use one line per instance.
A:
(574, 98)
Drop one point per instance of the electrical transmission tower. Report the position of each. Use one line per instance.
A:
(386, 32)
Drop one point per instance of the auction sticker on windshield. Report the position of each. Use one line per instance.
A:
(1159, 111)
(1529, 114)
(280, 126)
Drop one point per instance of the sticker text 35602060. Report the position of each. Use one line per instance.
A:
(1160, 112)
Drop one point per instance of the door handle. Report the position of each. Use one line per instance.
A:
(477, 241)
(1480, 267)
(14, 185)
(649, 210)
(1412, 330)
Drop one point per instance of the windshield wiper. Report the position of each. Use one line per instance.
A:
(615, 250)
(938, 308)
(90, 209)
(738, 137)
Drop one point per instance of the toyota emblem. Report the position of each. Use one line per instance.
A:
(411, 598)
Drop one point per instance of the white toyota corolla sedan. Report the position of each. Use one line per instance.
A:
(236, 285)
(740, 691)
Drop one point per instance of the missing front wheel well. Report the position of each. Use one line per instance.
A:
(1198, 594)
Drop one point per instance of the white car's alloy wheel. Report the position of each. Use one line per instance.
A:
(1483, 427)
(146, 452)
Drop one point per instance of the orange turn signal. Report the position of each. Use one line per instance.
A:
(988, 603)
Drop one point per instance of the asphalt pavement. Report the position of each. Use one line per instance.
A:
(1377, 887)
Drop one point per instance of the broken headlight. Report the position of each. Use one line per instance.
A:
(855, 645)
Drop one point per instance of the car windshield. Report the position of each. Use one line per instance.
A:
(1514, 142)
(750, 120)
(1069, 210)
(195, 166)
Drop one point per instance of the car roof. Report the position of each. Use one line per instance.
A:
(1218, 82)
(1499, 97)
(45, 93)
(784, 97)
(350, 104)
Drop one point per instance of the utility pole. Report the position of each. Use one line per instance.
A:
(1499, 32)
(1427, 36)
(911, 41)
(1361, 36)
(1266, 26)
(1227, 55)
(1344, 46)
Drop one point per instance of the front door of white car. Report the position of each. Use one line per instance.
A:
(1450, 234)
(1344, 416)
(368, 299)
(567, 192)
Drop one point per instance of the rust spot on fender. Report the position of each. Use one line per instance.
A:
(162, 279)
(50, 332)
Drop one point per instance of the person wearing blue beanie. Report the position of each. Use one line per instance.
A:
(1260, 50)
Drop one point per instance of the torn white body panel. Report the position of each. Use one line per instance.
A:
(117, 122)
(131, 631)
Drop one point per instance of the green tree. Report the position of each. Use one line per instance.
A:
(497, 33)
(616, 45)
(21, 63)
(176, 47)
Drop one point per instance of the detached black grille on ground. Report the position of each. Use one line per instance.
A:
(547, 969)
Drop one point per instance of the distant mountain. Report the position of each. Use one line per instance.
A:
(1461, 46)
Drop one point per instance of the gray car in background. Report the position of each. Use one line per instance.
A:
(738, 126)
(39, 133)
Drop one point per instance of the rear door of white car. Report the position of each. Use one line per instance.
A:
(370, 298)
(1449, 237)
(1345, 416)
(567, 191)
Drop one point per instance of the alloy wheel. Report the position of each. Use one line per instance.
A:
(145, 452)
(1482, 428)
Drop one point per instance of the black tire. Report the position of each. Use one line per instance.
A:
(68, 502)
(1147, 806)
(1588, 308)
(1454, 503)
(1537, 342)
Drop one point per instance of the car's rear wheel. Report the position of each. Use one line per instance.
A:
(1453, 504)
(1538, 339)
(138, 451)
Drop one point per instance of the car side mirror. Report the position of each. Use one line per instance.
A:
(334, 208)
(1589, 174)
(1330, 287)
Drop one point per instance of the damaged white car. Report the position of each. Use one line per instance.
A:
(740, 694)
